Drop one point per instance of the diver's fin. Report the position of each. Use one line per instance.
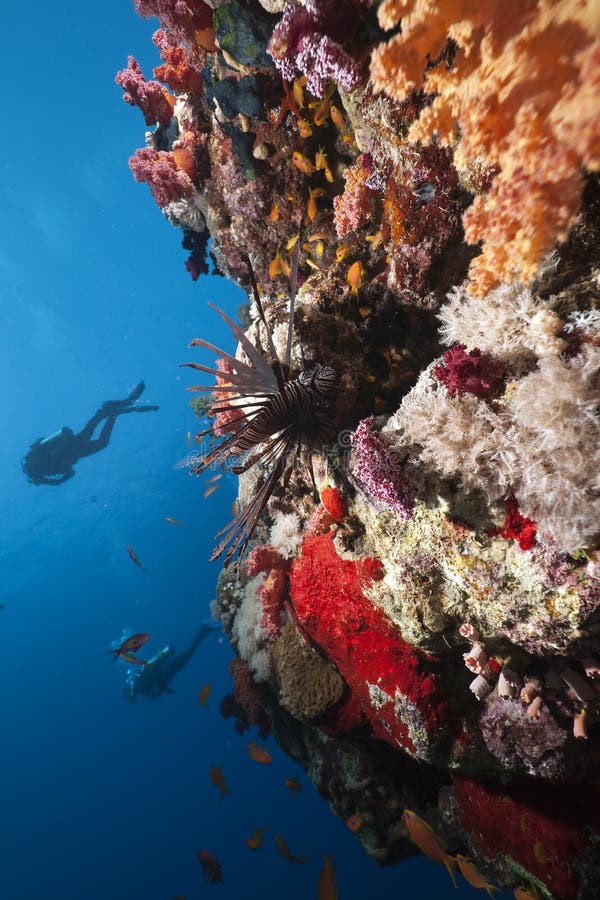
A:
(128, 409)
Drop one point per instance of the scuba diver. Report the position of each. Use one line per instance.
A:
(155, 678)
(50, 460)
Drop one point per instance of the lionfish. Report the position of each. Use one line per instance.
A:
(281, 419)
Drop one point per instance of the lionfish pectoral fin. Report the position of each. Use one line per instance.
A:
(267, 376)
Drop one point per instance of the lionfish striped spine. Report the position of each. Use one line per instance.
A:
(280, 419)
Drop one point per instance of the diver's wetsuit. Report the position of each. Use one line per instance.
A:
(50, 460)
(155, 679)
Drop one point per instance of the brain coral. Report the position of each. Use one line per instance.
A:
(308, 686)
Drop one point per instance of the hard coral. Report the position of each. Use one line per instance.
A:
(394, 683)
(308, 686)
(523, 90)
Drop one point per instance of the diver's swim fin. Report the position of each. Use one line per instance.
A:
(136, 393)
(128, 409)
(114, 406)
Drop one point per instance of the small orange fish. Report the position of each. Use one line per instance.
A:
(256, 840)
(128, 647)
(173, 521)
(522, 893)
(293, 785)
(275, 266)
(304, 128)
(211, 866)
(235, 509)
(210, 490)
(539, 851)
(355, 822)
(337, 118)
(473, 876)
(204, 694)
(311, 206)
(342, 252)
(285, 267)
(286, 852)
(134, 557)
(354, 277)
(134, 660)
(374, 239)
(218, 779)
(321, 112)
(292, 242)
(214, 478)
(322, 164)
(259, 754)
(274, 214)
(327, 881)
(303, 163)
(298, 91)
(312, 264)
(427, 841)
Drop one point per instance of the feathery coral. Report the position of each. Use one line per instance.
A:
(523, 90)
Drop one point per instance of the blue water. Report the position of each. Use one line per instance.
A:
(100, 798)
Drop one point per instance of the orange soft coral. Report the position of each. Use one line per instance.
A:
(523, 93)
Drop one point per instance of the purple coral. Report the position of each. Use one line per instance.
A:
(471, 372)
(311, 39)
(378, 469)
(180, 17)
(149, 96)
(167, 182)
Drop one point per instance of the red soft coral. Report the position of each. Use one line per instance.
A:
(471, 372)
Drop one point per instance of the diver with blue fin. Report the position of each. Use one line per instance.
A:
(154, 679)
(50, 460)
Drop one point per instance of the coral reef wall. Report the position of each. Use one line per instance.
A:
(417, 615)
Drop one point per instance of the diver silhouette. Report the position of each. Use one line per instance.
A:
(50, 460)
(155, 679)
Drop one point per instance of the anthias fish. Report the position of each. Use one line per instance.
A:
(127, 649)
(474, 876)
(327, 881)
(293, 785)
(258, 753)
(211, 866)
(256, 840)
(218, 779)
(428, 842)
(204, 694)
(134, 557)
(286, 852)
